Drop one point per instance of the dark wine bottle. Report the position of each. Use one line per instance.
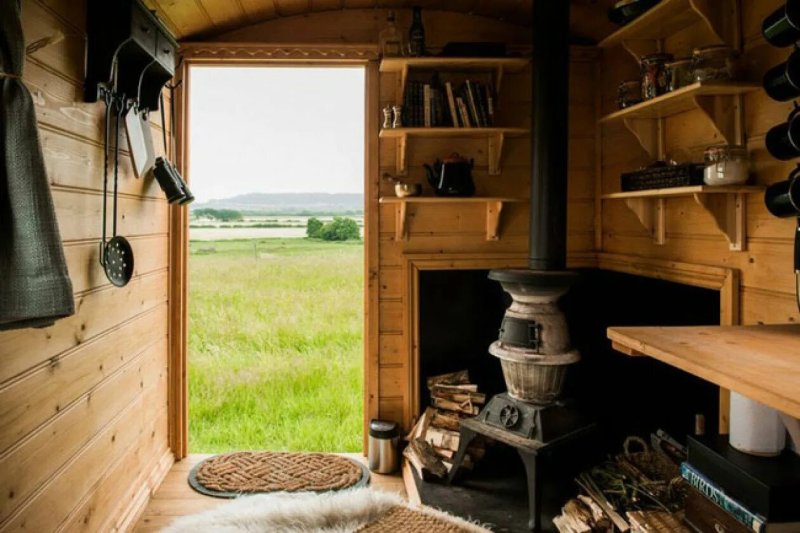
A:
(416, 34)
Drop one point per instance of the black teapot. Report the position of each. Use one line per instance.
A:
(452, 177)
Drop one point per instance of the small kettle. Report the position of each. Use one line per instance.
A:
(452, 177)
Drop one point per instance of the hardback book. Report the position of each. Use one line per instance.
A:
(451, 104)
(470, 100)
(769, 486)
(480, 102)
(704, 516)
(427, 105)
(464, 113)
(715, 494)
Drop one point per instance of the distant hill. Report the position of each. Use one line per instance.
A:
(290, 203)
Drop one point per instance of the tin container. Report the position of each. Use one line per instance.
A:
(383, 456)
(655, 78)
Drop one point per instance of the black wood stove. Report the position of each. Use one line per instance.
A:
(534, 345)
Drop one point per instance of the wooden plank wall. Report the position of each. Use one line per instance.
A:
(445, 230)
(83, 404)
(767, 277)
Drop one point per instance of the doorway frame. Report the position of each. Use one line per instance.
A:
(265, 55)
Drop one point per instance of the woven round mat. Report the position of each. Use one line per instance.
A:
(232, 474)
(410, 521)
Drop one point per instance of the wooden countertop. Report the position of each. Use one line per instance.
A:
(760, 362)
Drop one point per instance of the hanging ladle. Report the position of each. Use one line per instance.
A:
(116, 255)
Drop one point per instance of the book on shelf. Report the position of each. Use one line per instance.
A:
(451, 105)
(715, 494)
(440, 105)
(463, 113)
(471, 100)
(427, 105)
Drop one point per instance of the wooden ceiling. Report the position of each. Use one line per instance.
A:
(203, 19)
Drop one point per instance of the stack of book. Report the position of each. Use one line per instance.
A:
(737, 492)
(443, 105)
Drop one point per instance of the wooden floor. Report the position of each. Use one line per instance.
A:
(175, 498)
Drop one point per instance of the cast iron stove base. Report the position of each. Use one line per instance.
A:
(543, 435)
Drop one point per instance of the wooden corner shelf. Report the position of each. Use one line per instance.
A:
(760, 362)
(727, 205)
(642, 36)
(495, 138)
(496, 65)
(718, 102)
(494, 208)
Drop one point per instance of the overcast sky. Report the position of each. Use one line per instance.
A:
(276, 130)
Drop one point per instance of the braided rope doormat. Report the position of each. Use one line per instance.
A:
(409, 520)
(229, 475)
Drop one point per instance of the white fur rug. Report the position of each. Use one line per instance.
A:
(333, 512)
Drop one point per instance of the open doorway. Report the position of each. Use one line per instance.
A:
(276, 258)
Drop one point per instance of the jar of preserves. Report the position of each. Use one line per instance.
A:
(718, 62)
(655, 80)
(726, 165)
(681, 73)
(629, 93)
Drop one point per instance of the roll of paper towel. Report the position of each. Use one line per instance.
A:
(755, 428)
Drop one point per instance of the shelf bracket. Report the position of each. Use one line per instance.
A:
(721, 112)
(493, 210)
(495, 152)
(400, 155)
(647, 132)
(711, 15)
(403, 80)
(729, 212)
(401, 222)
(652, 216)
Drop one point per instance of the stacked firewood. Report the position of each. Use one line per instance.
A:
(434, 440)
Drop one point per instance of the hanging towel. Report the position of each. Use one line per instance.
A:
(35, 288)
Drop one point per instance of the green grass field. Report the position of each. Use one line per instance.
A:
(275, 345)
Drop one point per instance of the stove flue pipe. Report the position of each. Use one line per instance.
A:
(549, 141)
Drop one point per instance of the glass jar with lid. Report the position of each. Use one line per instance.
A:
(717, 62)
(726, 165)
(681, 73)
(629, 93)
(655, 80)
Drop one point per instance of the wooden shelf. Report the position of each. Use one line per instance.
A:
(496, 65)
(727, 205)
(718, 102)
(494, 207)
(760, 362)
(642, 36)
(495, 138)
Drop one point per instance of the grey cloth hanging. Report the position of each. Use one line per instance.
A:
(35, 288)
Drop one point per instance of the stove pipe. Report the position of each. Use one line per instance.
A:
(549, 140)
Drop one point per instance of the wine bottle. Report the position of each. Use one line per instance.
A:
(416, 34)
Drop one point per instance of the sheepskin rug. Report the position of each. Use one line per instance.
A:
(333, 512)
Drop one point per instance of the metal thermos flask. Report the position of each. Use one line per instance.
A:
(382, 454)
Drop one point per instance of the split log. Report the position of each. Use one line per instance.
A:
(446, 420)
(427, 456)
(468, 387)
(421, 427)
(443, 438)
(444, 452)
(459, 397)
(454, 378)
(465, 407)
